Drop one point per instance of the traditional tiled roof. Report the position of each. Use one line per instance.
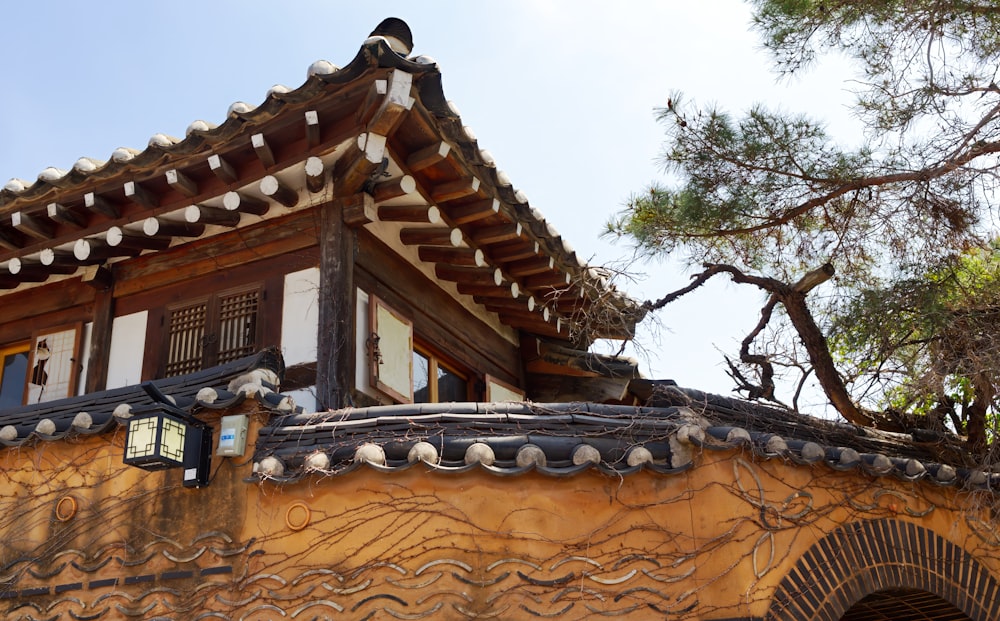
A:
(562, 439)
(219, 388)
(254, 158)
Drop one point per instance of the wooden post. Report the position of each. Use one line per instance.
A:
(335, 357)
(100, 338)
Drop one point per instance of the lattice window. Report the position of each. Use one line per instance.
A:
(186, 348)
(238, 325)
(219, 329)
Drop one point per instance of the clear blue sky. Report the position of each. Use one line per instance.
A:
(560, 92)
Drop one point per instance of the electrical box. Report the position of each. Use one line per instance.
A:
(233, 435)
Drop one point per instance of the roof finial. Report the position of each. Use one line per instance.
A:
(396, 33)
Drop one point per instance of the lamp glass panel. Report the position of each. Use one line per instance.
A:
(172, 439)
(141, 437)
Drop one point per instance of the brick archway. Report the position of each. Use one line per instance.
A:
(863, 558)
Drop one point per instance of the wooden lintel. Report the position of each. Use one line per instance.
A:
(442, 236)
(353, 169)
(396, 103)
(11, 238)
(201, 214)
(529, 267)
(136, 193)
(182, 183)
(358, 209)
(426, 215)
(32, 226)
(468, 275)
(263, 150)
(118, 237)
(490, 291)
(235, 201)
(428, 156)
(394, 188)
(53, 256)
(274, 188)
(459, 188)
(484, 236)
(65, 215)
(505, 252)
(312, 128)
(159, 227)
(98, 204)
(222, 169)
(315, 174)
(452, 256)
(550, 280)
(478, 210)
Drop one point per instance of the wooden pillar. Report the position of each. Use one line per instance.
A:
(100, 334)
(335, 364)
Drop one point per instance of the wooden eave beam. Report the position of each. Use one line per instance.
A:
(263, 150)
(453, 190)
(32, 226)
(512, 290)
(472, 212)
(467, 257)
(277, 190)
(428, 156)
(315, 174)
(160, 227)
(550, 280)
(398, 100)
(424, 215)
(56, 256)
(32, 271)
(313, 135)
(222, 169)
(441, 236)
(64, 215)
(117, 237)
(201, 214)
(11, 239)
(138, 194)
(394, 188)
(237, 201)
(529, 267)
(488, 235)
(90, 250)
(353, 169)
(469, 275)
(182, 183)
(95, 203)
(514, 250)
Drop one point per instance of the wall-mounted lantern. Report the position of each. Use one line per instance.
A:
(165, 436)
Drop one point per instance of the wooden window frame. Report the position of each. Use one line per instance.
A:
(75, 367)
(492, 380)
(212, 326)
(18, 347)
(376, 347)
(436, 359)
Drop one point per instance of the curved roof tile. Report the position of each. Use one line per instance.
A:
(564, 439)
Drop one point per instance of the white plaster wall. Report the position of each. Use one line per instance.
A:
(300, 317)
(305, 397)
(128, 342)
(81, 380)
